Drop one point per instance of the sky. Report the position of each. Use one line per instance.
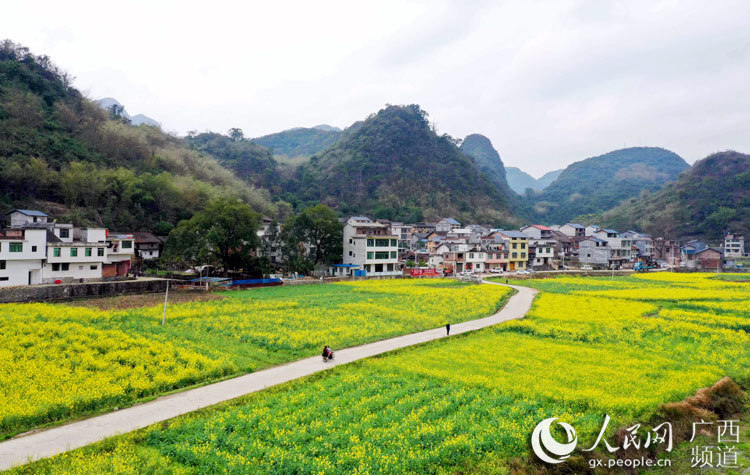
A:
(550, 83)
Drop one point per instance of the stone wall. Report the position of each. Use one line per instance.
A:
(44, 293)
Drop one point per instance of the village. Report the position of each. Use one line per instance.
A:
(35, 249)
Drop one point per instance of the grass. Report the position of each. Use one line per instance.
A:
(468, 403)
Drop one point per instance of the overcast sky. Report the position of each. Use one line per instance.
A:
(549, 83)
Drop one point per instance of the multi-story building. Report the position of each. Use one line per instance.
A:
(734, 246)
(475, 260)
(541, 253)
(518, 248)
(371, 246)
(591, 229)
(120, 254)
(81, 258)
(446, 225)
(620, 248)
(573, 229)
(22, 253)
(642, 245)
(497, 255)
(594, 252)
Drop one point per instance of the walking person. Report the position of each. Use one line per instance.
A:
(448, 329)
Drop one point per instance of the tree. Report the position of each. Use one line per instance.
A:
(236, 134)
(312, 238)
(224, 233)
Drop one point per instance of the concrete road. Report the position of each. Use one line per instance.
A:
(56, 440)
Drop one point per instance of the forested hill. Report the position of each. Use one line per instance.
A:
(600, 183)
(710, 198)
(480, 148)
(63, 154)
(300, 142)
(392, 165)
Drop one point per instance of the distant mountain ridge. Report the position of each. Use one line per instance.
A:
(300, 141)
(708, 199)
(393, 165)
(138, 119)
(599, 183)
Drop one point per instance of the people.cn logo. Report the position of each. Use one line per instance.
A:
(546, 447)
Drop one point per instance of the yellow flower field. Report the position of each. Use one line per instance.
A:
(466, 404)
(58, 361)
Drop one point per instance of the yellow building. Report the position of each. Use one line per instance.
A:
(518, 248)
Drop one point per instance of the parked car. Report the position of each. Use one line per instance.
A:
(497, 270)
(587, 268)
(523, 272)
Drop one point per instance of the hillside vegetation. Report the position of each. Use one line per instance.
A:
(300, 141)
(61, 153)
(600, 183)
(708, 199)
(393, 165)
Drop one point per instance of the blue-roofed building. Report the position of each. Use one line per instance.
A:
(24, 217)
(447, 225)
(573, 229)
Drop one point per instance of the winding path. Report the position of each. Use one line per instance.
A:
(56, 440)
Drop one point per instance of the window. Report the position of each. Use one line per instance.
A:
(394, 243)
(56, 252)
(515, 245)
(127, 244)
(515, 255)
(390, 267)
(523, 255)
(350, 253)
(370, 242)
(33, 248)
(35, 219)
(94, 267)
(65, 233)
(100, 251)
(55, 267)
(394, 255)
(3, 278)
(371, 255)
(350, 240)
(73, 252)
(381, 242)
(16, 247)
(80, 267)
(2, 265)
(64, 266)
(381, 255)
(87, 252)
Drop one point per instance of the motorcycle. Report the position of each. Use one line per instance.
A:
(328, 358)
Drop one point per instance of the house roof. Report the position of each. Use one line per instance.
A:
(143, 238)
(52, 238)
(594, 226)
(514, 234)
(538, 226)
(451, 221)
(575, 225)
(709, 249)
(28, 212)
(611, 231)
(594, 239)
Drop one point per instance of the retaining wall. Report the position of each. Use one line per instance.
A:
(43, 293)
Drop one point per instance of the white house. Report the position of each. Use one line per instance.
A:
(573, 229)
(734, 246)
(620, 248)
(371, 246)
(21, 217)
(591, 229)
(475, 260)
(446, 225)
(81, 258)
(22, 253)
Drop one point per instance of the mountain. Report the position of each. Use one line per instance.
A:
(139, 119)
(300, 141)
(519, 180)
(327, 128)
(65, 155)
(249, 161)
(600, 183)
(393, 165)
(486, 157)
(546, 180)
(711, 197)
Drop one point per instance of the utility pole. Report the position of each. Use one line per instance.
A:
(166, 296)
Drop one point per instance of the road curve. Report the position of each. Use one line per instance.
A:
(56, 440)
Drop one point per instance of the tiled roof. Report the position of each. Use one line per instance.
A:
(28, 212)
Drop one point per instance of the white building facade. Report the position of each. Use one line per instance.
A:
(371, 246)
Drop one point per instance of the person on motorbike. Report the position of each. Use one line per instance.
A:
(327, 353)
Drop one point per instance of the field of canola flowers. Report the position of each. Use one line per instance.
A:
(588, 347)
(58, 361)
